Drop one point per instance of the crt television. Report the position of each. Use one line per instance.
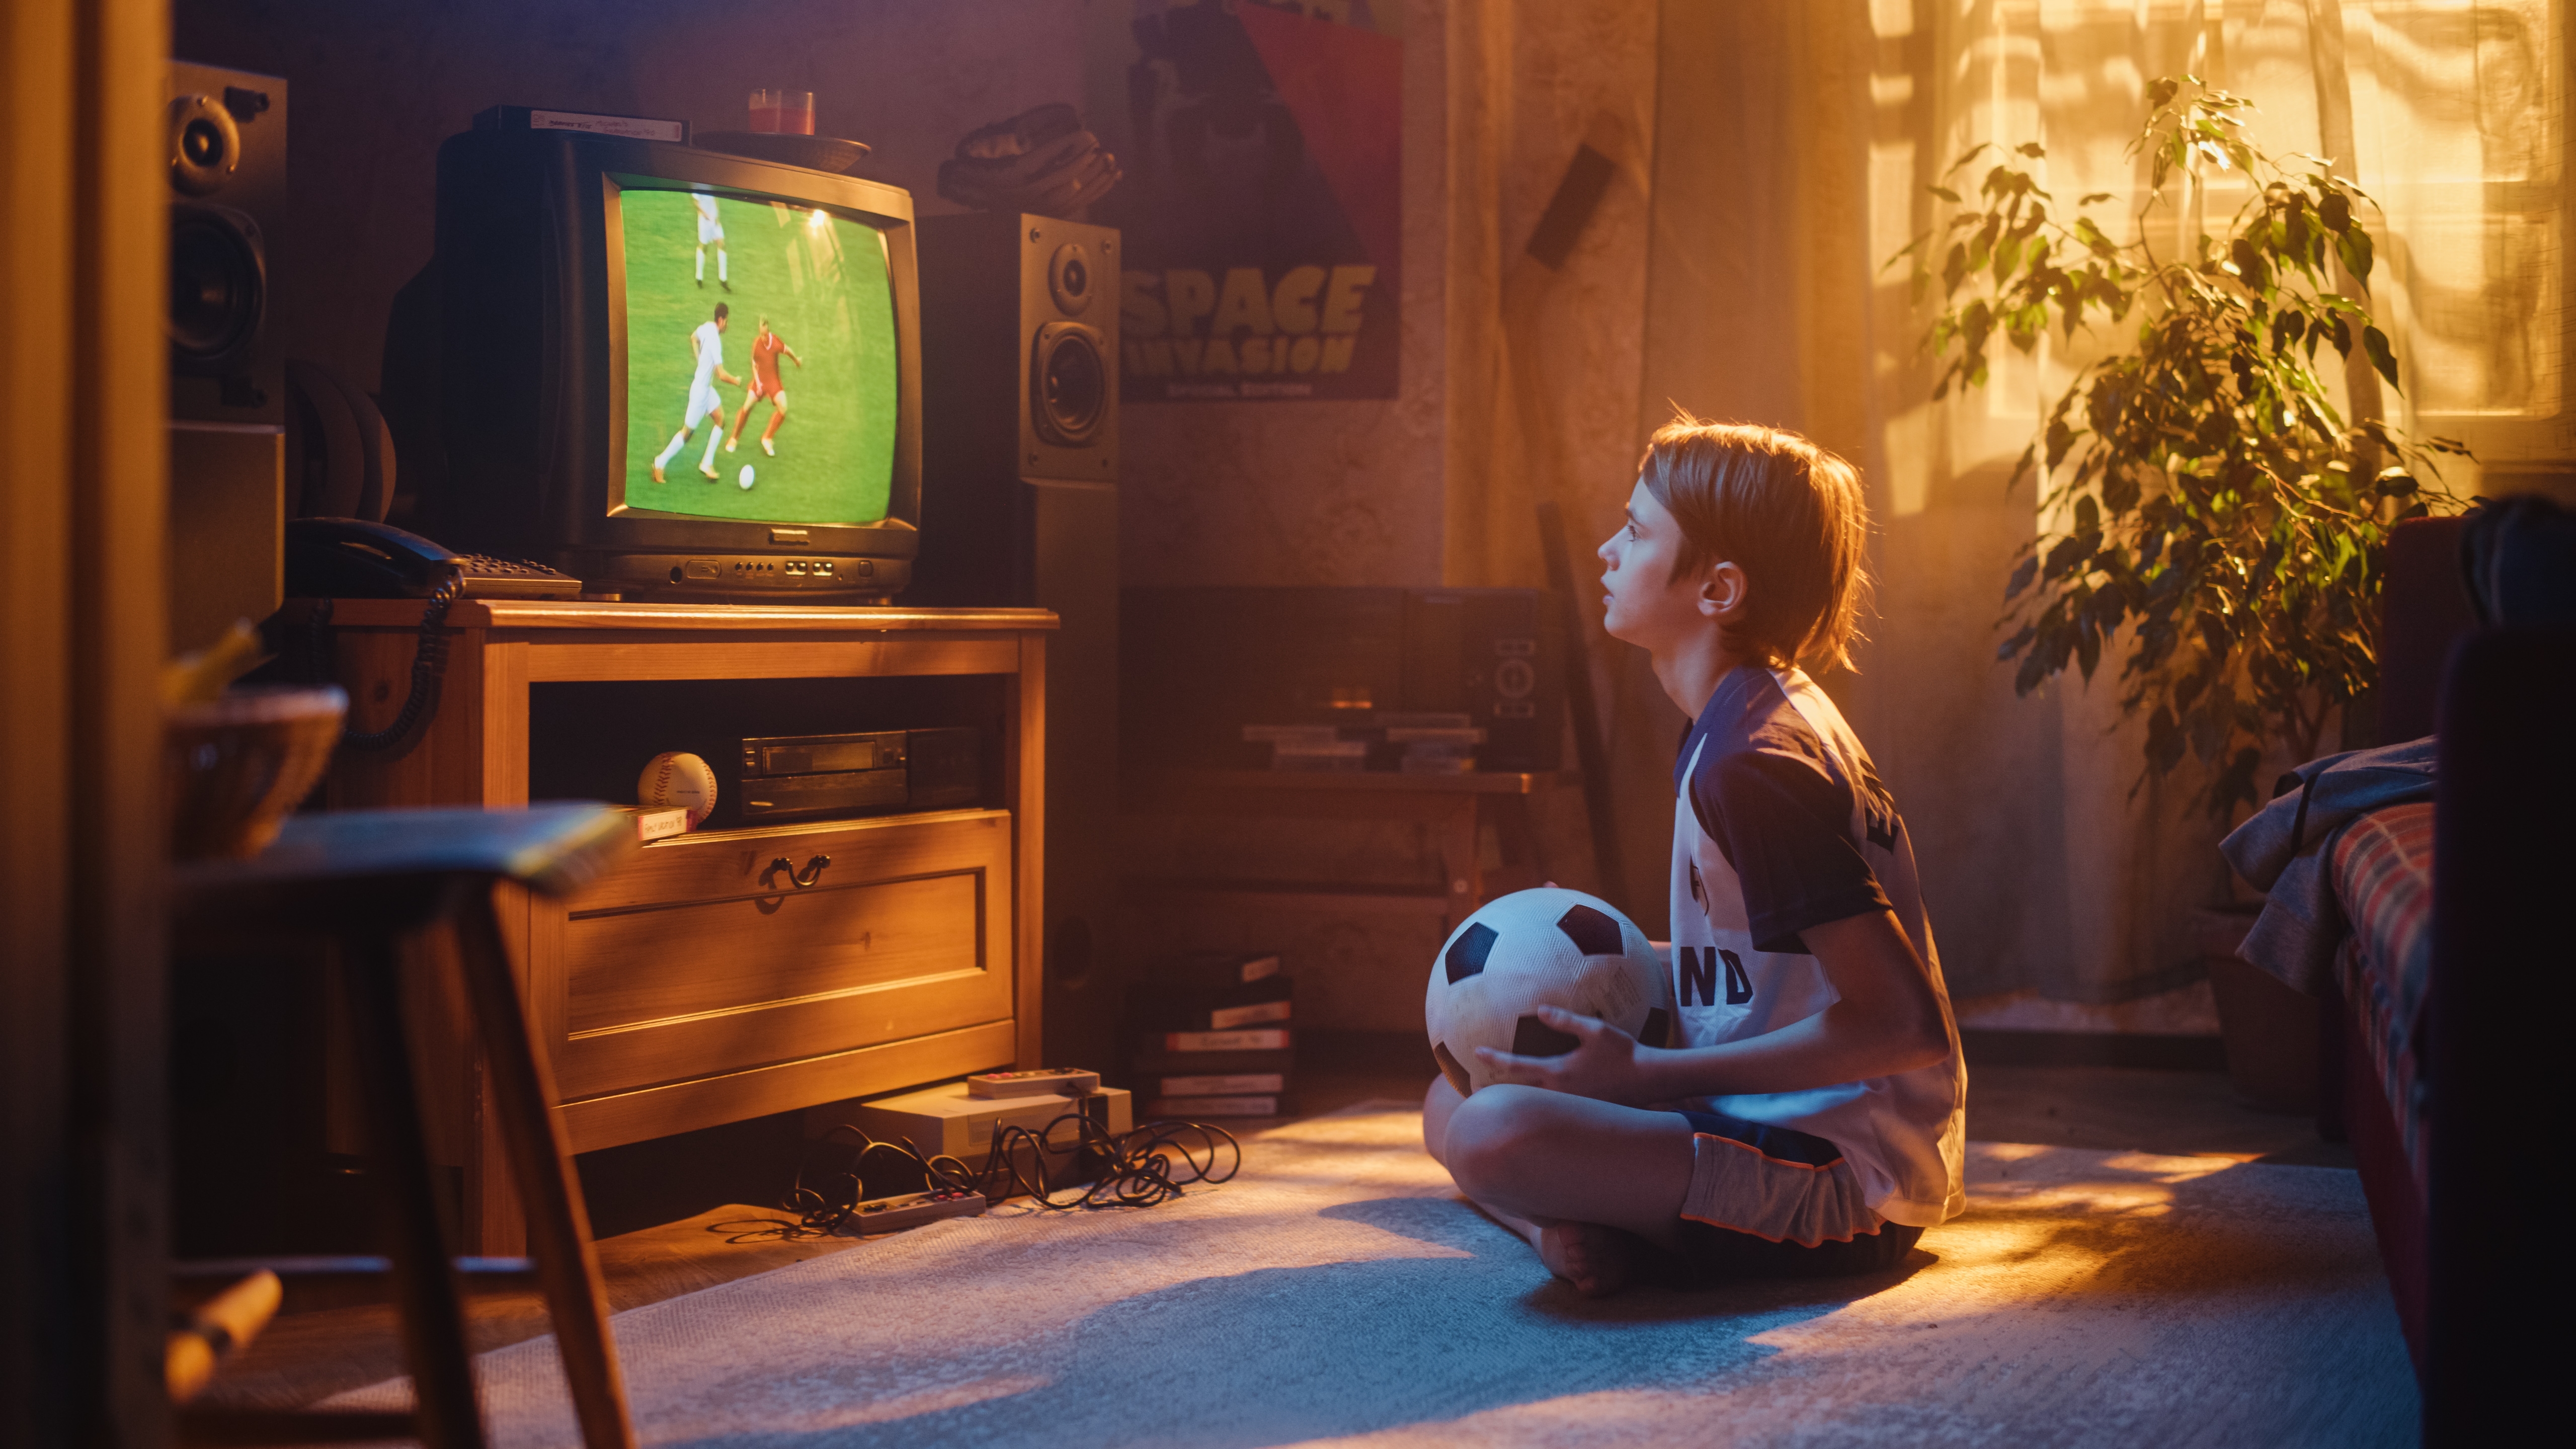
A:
(675, 373)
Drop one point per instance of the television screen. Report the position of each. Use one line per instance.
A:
(760, 361)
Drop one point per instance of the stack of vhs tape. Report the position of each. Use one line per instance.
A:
(1209, 1037)
(1415, 744)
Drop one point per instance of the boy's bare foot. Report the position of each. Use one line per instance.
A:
(1598, 1261)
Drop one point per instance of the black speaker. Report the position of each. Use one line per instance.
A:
(226, 163)
(227, 169)
(1019, 506)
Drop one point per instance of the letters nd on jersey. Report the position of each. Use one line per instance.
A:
(1261, 214)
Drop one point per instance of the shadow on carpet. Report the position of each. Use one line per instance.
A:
(1339, 1291)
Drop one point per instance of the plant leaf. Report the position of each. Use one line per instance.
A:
(2375, 342)
(2022, 574)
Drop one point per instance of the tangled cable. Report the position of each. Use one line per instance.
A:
(1149, 1164)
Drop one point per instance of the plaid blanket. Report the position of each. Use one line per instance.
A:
(2383, 878)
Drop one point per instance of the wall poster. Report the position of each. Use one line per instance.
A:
(1262, 208)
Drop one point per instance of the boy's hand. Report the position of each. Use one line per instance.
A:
(1604, 1064)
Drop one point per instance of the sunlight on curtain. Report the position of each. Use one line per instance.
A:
(2458, 112)
(2450, 112)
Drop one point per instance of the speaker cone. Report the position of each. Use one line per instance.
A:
(1069, 383)
(1069, 278)
(218, 285)
(205, 145)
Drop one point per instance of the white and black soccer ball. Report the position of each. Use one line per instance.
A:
(1534, 948)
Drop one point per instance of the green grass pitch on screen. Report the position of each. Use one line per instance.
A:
(824, 289)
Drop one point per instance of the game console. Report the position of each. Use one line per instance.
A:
(953, 1121)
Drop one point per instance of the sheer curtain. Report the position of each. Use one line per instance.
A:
(1793, 145)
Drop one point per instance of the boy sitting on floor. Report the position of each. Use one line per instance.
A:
(1809, 1118)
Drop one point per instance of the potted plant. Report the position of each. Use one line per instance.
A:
(2205, 505)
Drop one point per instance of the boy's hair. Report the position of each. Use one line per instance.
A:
(1782, 509)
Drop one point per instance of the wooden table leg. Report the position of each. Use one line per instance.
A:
(424, 1276)
(558, 1222)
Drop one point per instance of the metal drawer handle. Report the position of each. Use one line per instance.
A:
(812, 872)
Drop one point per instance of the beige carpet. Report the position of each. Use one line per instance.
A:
(1339, 1292)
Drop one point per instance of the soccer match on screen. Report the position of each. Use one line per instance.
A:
(760, 361)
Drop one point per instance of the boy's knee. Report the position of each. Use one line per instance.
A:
(1490, 1135)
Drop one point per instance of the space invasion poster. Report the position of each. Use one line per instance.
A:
(1262, 205)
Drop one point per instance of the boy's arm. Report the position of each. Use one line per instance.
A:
(1886, 1021)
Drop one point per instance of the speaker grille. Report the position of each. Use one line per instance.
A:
(217, 285)
(1069, 383)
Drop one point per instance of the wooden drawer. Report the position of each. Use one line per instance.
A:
(703, 959)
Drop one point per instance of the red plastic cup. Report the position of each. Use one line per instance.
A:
(787, 112)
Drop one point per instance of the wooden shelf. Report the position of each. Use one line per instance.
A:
(1351, 782)
(1461, 811)
(1354, 896)
(696, 618)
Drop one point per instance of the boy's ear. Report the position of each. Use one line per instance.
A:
(1722, 592)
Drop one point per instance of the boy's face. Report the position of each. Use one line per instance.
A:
(1647, 605)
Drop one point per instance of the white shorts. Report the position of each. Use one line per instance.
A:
(702, 401)
(1775, 1183)
(709, 231)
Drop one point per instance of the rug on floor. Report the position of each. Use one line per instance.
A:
(1339, 1291)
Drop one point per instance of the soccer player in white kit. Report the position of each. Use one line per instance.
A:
(710, 231)
(1803, 1114)
(708, 343)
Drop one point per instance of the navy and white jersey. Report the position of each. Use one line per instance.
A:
(1780, 825)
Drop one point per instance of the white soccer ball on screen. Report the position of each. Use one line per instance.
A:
(744, 477)
(1546, 947)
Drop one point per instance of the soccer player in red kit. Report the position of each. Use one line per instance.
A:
(765, 349)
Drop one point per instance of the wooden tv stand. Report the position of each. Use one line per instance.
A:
(703, 984)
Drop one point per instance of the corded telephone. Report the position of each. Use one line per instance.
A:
(352, 558)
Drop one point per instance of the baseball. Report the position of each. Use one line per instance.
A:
(676, 778)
